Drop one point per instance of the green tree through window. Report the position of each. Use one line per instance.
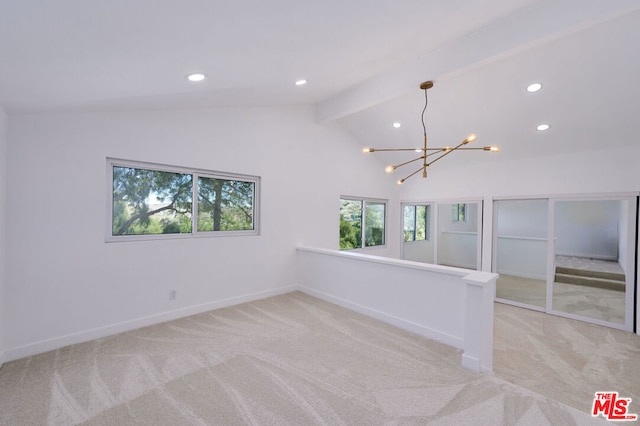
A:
(415, 222)
(359, 214)
(150, 201)
(224, 205)
(350, 224)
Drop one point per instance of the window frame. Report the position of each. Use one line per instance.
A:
(363, 211)
(195, 175)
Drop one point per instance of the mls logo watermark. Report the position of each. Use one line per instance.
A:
(612, 407)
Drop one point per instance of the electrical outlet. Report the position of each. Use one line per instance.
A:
(173, 294)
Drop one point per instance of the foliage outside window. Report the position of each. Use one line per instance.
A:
(149, 200)
(458, 212)
(359, 214)
(416, 222)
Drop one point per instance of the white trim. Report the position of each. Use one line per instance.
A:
(459, 200)
(515, 237)
(460, 232)
(569, 197)
(108, 330)
(427, 332)
(520, 304)
(473, 363)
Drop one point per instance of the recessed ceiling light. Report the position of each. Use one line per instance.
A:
(397, 125)
(534, 87)
(301, 82)
(195, 77)
(543, 127)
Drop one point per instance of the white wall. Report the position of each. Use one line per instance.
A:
(522, 218)
(65, 284)
(587, 228)
(612, 170)
(3, 187)
(418, 251)
(446, 304)
(522, 237)
(590, 172)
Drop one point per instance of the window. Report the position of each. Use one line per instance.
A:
(150, 201)
(458, 212)
(416, 222)
(358, 214)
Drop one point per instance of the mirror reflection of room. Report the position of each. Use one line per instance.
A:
(521, 251)
(589, 278)
(458, 235)
(446, 233)
(583, 272)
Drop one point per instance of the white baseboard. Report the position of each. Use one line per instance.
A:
(96, 333)
(472, 363)
(427, 332)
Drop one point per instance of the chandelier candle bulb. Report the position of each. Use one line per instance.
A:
(389, 169)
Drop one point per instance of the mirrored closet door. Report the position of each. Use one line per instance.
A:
(458, 240)
(445, 233)
(593, 260)
(520, 254)
(573, 257)
(418, 243)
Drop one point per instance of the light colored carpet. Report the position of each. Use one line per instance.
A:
(287, 360)
(565, 359)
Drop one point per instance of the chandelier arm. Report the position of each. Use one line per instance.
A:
(438, 151)
(407, 162)
(394, 149)
(446, 153)
(420, 169)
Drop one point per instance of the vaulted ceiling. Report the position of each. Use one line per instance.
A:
(363, 59)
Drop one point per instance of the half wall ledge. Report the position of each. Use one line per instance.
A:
(453, 306)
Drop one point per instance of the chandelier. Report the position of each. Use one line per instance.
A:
(427, 152)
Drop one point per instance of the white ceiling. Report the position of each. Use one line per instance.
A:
(364, 60)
